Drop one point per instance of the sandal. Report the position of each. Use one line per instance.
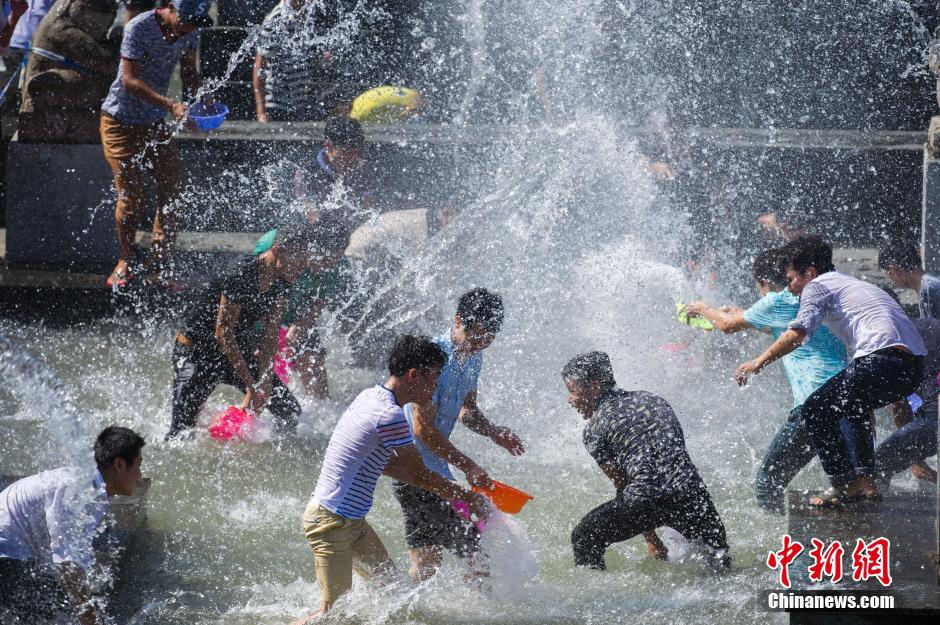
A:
(830, 498)
(119, 279)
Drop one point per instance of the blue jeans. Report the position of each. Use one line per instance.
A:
(911, 443)
(791, 450)
(868, 382)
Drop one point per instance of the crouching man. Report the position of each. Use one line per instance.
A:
(373, 438)
(637, 441)
(49, 523)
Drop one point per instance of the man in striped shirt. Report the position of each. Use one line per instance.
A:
(373, 438)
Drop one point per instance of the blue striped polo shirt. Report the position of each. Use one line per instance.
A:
(359, 449)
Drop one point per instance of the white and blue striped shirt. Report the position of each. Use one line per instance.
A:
(359, 449)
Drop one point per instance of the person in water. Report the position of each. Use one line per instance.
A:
(807, 369)
(50, 526)
(230, 334)
(373, 438)
(431, 525)
(887, 360)
(636, 439)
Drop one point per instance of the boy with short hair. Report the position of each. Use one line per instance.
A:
(431, 525)
(230, 334)
(373, 438)
(901, 261)
(48, 526)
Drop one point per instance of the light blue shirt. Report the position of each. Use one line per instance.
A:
(458, 379)
(809, 366)
(929, 304)
(54, 515)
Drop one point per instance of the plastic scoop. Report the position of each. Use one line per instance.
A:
(231, 423)
(506, 498)
(208, 117)
(694, 321)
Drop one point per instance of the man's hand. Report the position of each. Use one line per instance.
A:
(923, 472)
(745, 370)
(479, 505)
(696, 308)
(179, 111)
(507, 439)
(655, 546)
(476, 476)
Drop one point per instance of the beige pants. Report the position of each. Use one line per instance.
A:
(133, 152)
(339, 544)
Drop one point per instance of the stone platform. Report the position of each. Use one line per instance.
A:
(908, 520)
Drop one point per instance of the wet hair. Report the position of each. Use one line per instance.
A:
(117, 442)
(344, 132)
(768, 268)
(415, 352)
(588, 368)
(479, 307)
(811, 251)
(904, 255)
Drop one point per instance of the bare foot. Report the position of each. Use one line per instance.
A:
(923, 472)
(307, 619)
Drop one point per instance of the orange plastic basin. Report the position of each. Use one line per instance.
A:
(508, 499)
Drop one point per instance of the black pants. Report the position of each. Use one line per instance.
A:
(868, 382)
(30, 593)
(196, 374)
(689, 511)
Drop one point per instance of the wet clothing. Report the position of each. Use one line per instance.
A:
(359, 449)
(861, 314)
(243, 287)
(196, 374)
(431, 522)
(31, 593)
(53, 517)
(639, 433)
(457, 380)
(339, 544)
(155, 59)
(810, 366)
(791, 449)
(917, 440)
(135, 152)
(929, 304)
(201, 365)
(688, 510)
(869, 382)
(338, 200)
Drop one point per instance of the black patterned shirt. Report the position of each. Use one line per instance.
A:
(639, 433)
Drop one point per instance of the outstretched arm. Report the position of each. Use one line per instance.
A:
(406, 465)
(728, 320)
(426, 431)
(472, 417)
(788, 341)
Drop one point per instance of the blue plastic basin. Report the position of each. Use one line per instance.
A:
(208, 118)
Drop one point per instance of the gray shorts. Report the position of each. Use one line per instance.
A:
(431, 522)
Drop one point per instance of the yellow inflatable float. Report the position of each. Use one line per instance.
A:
(386, 105)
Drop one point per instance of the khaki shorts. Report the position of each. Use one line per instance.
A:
(339, 544)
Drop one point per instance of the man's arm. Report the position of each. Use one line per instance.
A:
(145, 92)
(406, 465)
(472, 417)
(788, 341)
(225, 325)
(729, 320)
(74, 581)
(258, 80)
(426, 431)
(265, 356)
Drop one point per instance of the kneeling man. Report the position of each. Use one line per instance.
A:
(637, 441)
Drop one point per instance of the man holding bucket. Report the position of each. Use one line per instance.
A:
(134, 136)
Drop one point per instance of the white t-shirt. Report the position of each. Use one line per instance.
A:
(359, 449)
(861, 314)
(53, 515)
